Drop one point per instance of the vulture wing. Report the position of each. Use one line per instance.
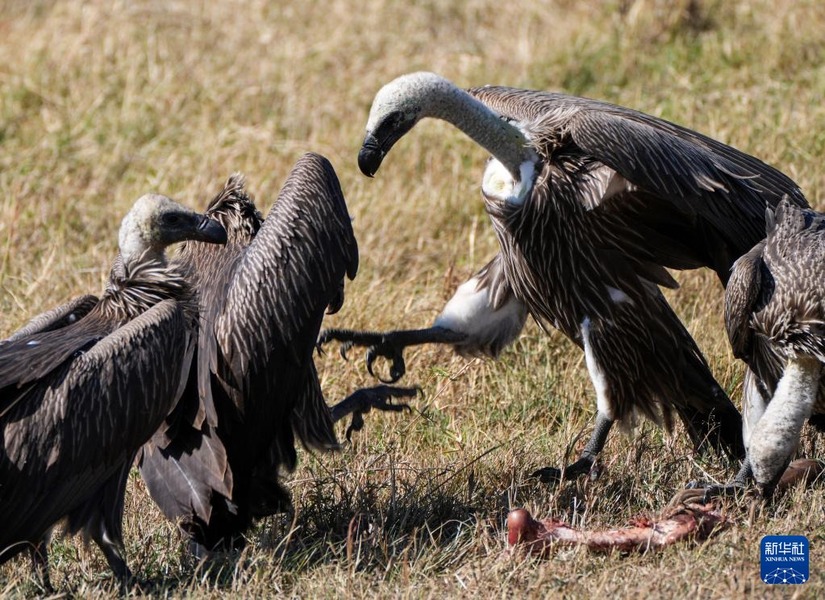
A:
(741, 297)
(75, 428)
(56, 318)
(266, 330)
(697, 201)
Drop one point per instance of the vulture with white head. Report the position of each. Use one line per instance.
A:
(84, 386)
(591, 202)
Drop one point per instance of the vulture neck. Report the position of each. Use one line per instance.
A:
(504, 141)
(776, 435)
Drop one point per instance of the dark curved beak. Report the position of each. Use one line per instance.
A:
(370, 156)
(210, 231)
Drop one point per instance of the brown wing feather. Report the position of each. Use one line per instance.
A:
(285, 280)
(741, 295)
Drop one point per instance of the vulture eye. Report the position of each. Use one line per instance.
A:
(170, 219)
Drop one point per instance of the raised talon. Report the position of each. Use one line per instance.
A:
(378, 398)
(356, 424)
(399, 367)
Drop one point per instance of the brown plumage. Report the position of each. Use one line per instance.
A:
(591, 202)
(775, 319)
(83, 386)
(261, 299)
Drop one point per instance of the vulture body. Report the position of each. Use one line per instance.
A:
(590, 202)
(262, 298)
(83, 386)
(775, 319)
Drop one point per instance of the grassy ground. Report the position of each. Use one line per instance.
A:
(103, 101)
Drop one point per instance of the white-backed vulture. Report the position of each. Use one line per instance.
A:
(590, 202)
(775, 319)
(262, 297)
(84, 386)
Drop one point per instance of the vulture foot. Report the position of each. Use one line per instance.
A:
(587, 458)
(799, 470)
(389, 344)
(377, 344)
(362, 401)
(702, 492)
(581, 467)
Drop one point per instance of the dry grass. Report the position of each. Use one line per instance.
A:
(103, 101)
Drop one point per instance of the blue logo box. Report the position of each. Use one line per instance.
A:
(785, 559)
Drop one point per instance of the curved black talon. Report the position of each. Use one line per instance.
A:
(397, 368)
(380, 401)
(345, 347)
(377, 344)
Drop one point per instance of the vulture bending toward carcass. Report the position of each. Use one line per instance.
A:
(590, 202)
(262, 298)
(775, 318)
(84, 386)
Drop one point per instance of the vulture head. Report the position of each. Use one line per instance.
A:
(397, 107)
(404, 101)
(156, 221)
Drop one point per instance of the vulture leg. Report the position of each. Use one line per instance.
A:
(773, 434)
(586, 459)
(389, 344)
(40, 564)
(776, 435)
(361, 401)
(113, 551)
(104, 523)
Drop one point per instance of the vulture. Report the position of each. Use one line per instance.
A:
(261, 299)
(775, 319)
(591, 202)
(84, 386)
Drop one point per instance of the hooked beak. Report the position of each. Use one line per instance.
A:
(210, 231)
(370, 156)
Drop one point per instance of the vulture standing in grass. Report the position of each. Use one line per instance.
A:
(261, 298)
(590, 202)
(775, 317)
(84, 386)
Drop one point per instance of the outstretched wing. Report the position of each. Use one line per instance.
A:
(84, 420)
(702, 202)
(294, 269)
